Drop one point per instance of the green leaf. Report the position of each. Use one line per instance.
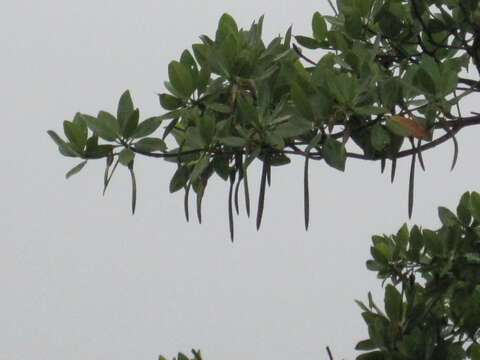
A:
(179, 179)
(76, 133)
(424, 81)
(353, 24)
(206, 125)
(203, 79)
(150, 144)
(432, 242)
(64, 147)
(307, 42)
(319, 26)
(226, 26)
(463, 209)
(447, 217)
(334, 153)
(131, 124)
(170, 102)
(365, 345)
(180, 78)
(98, 151)
(219, 107)
(300, 99)
(475, 205)
(393, 303)
(126, 156)
(233, 141)
(379, 137)
(374, 355)
(124, 110)
(105, 125)
(396, 128)
(221, 166)
(199, 168)
(248, 112)
(76, 169)
(147, 127)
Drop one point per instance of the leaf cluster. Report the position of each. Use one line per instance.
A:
(432, 299)
(388, 81)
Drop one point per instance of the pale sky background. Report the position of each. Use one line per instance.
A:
(82, 279)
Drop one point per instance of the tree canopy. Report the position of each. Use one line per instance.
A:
(384, 79)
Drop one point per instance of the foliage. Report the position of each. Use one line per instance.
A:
(432, 299)
(389, 78)
(390, 73)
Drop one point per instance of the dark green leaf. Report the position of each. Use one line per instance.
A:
(424, 81)
(393, 303)
(233, 141)
(199, 168)
(147, 127)
(226, 26)
(64, 147)
(334, 153)
(206, 125)
(124, 110)
(380, 138)
(151, 144)
(126, 156)
(475, 205)
(365, 345)
(105, 125)
(131, 124)
(76, 133)
(301, 101)
(319, 26)
(221, 165)
(219, 107)
(170, 102)
(76, 169)
(180, 78)
(463, 209)
(179, 179)
(447, 217)
(307, 42)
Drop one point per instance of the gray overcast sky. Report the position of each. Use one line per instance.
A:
(82, 279)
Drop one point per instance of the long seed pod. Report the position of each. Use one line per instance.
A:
(455, 146)
(108, 177)
(394, 170)
(230, 210)
(306, 193)
(411, 183)
(261, 196)
(185, 202)
(269, 175)
(239, 167)
(134, 186)
(246, 190)
(383, 163)
(199, 203)
(419, 153)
